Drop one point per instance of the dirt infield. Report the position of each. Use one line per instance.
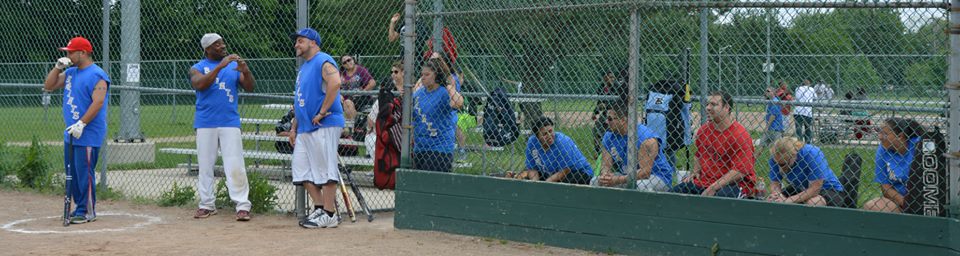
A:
(124, 228)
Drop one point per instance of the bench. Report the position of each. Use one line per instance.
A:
(277, 106)
(273, 155)
(260, 121)
(267, 137)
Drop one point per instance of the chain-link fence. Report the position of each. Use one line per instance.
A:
(546, 91)
(152, 46)
(836, 79)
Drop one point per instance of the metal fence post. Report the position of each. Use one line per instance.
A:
(953, 77)
(704, 63)
(409, 35)
(130, 71)
(302, 22)
(632, 98)
(438, 27)
(105, 44)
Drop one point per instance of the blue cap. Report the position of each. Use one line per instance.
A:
(309, 33)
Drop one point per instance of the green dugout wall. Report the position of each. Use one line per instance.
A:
(631, 222)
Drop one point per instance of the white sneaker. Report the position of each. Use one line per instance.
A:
(315, 214)
(309, 223)
(325, 221)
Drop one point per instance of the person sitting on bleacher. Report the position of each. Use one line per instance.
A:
(805, 169)
(898, 141)
(553, 156)
(653, 170)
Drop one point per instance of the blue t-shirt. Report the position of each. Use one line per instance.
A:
(433, 126)
(563, 154)
(78, 86)
(310, 93)
(456, 82)
(217, 105)
(811, 165)
(616, 144)
(893, 168)
(773, 110)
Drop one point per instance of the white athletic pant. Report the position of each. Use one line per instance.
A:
(227, 139)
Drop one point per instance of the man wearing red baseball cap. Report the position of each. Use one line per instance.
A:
(85, 100)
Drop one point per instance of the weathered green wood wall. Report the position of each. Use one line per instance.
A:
(631, 222)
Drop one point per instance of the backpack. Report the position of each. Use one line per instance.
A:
(927, 181)
(668, 114)
(387, 129)
(283, 125)
(499, 121)
(284, 147)
(850, 179)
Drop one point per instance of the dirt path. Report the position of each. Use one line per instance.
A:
(175, 232)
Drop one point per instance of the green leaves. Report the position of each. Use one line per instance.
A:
(177, 196)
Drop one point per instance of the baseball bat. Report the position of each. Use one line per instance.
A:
(69, 179)
(346, 197)
(356, 192)
(346, 202)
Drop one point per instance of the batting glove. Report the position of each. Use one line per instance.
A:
(76, 129)
(63, 63)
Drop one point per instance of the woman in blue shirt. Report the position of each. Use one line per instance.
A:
(898, 139)
(553, 156)
(433, 123)
(805, 169)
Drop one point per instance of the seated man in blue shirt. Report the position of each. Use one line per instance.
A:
(554, 157)
(799, 173)
(653, 171)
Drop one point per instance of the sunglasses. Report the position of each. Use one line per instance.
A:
(347, 60)
(395, 71)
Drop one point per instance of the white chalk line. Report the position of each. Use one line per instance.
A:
(150, 220)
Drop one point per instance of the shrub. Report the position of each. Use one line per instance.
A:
(177, 196)
(33, 171)
(262, 195)
(7, 162)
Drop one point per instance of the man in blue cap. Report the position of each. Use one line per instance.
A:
(315, 129)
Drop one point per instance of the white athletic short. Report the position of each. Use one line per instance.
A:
(651, 184)
(315, 156)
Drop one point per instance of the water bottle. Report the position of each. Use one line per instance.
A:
(761, 188)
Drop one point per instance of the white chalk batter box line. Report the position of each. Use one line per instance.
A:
(150, 221)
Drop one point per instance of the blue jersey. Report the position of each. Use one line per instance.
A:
(433, 126)
(78, 86)
(811, 165)
(563, 154)
(773, 110)
(217, 105)
(310, 93)
(616, 145)
(893, 168)
(456, 82)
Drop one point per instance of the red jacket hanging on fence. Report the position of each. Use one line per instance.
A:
(449, 46)
(387, 152)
